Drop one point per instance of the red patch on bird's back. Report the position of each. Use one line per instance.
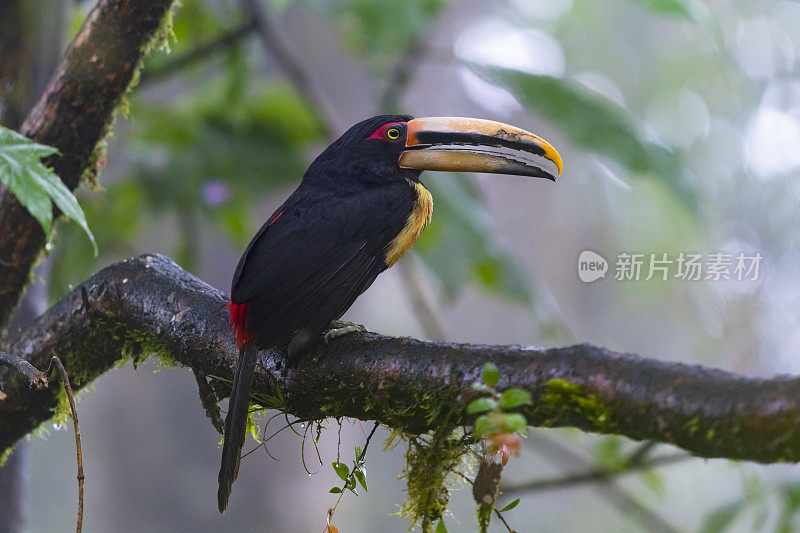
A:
(238, 324)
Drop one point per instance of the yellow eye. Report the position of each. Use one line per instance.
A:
(393, 134)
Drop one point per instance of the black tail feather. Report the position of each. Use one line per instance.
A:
(236, 424)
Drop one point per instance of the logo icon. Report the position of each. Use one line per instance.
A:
(591, 266)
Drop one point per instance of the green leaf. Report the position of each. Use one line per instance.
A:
(510, 506)
(653, 480)
(694, 10)
(484, 425)
(335, 490)
(790, 495)
(252, 427)
(514, 398)
(497, 423)
(723, 517)
(379, 30)
(68, 204)
(341, 470)
(679, 8)
(481, 405)
(361, 476)
(514, 423)
(35, 185)
(440, 528)
(20, 164)
(594, 122)
(491, 374)
(609, 453)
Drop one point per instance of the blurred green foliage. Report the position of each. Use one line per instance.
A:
(595, 123)
(461, 246)
(694, 10)
(223, 142)
(381, 30)
(756, 507)
(202, 156)
(207, 144)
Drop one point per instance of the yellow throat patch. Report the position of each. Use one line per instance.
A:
(417, 220)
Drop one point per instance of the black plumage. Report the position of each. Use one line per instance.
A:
(314, 256)
(327, 243)
(358, 209)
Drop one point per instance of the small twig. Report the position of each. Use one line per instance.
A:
(503, 520)
(358, 460)
(401, 75)
(396, 84)
(464, 477)
(55, 362)
(426, 315)
(641, 453)
(339, 443)
(36, 378)
(366, 444)
(209, 400)
(202, 51)
(266, 440)
(315, 441)
(303, 448)
(276, 46)
(595, 475)
(617, 495)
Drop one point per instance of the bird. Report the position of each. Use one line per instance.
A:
(358, 209)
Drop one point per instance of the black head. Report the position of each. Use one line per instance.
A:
(367, 152)
(390, 148)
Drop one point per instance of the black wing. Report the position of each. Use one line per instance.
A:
(310, 262)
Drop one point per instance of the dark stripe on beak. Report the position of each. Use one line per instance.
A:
(428, 139)
(476, 145)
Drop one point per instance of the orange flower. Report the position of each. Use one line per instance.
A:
(507, 444)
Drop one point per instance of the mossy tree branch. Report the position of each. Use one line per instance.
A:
(73, 115)
(149, 305)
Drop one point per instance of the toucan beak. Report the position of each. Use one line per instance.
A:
(476, 145)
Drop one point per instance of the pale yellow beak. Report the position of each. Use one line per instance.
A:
(476, 145)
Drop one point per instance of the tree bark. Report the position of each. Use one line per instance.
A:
(149, 305)
(31, 44)
(73, 115)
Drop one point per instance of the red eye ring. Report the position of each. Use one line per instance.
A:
(388, 132)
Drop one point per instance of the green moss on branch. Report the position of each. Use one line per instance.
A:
(148, 305)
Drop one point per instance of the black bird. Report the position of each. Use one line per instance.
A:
(358, 209)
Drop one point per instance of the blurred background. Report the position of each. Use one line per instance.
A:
(679, 125)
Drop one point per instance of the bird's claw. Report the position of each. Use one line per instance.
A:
(339, 328)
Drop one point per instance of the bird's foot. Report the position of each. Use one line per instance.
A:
(339, 328)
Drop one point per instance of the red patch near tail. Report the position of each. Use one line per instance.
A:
(238, 324)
